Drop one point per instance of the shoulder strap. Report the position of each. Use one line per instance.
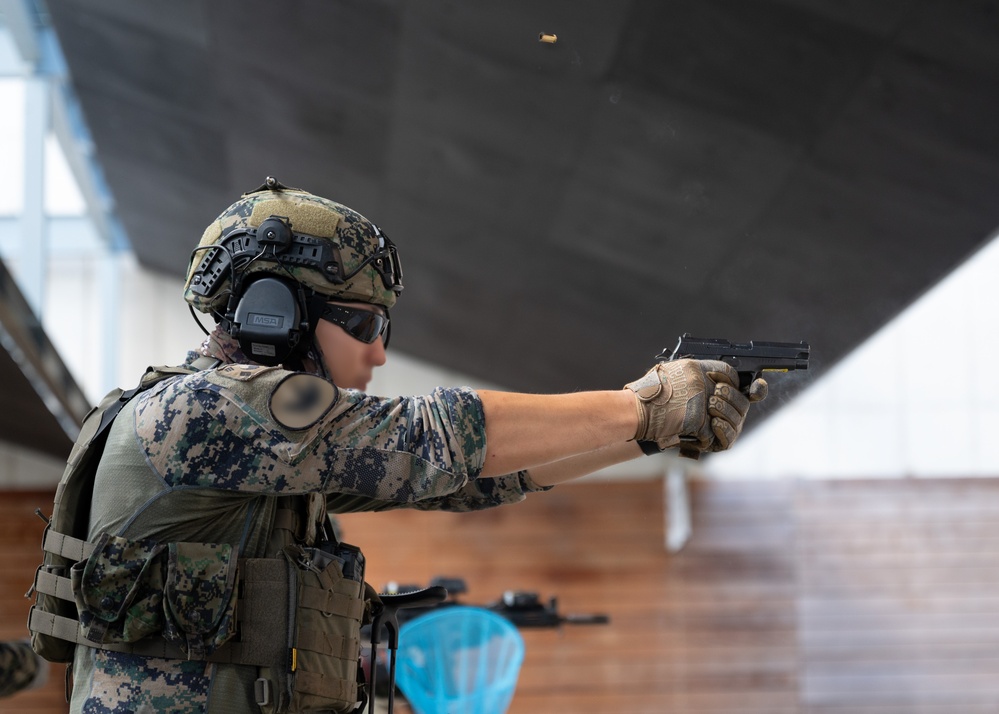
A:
(151, 376)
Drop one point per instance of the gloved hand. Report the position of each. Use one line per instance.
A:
(695, 399)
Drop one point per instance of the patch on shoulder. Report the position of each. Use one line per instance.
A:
(300, 400)
(243, 372)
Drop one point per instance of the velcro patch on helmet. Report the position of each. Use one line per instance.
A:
(310, 217)
(300, 400)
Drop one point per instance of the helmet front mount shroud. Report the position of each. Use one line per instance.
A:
(241, 246)
(244, 244)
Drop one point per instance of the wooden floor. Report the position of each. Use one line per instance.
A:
(859, 597)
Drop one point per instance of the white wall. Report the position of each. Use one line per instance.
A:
(920, 398)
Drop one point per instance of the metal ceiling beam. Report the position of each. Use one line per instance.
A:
(24, 339)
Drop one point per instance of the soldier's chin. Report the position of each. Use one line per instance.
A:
(360, 385)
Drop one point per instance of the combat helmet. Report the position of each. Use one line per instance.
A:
(321, 244)
(283, 246)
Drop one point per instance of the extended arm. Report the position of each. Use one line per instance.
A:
(524, 431)
(560, 437)
(580, 465)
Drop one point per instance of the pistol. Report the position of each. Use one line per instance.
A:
(749, 359)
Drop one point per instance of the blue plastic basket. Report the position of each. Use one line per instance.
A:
(459, 660)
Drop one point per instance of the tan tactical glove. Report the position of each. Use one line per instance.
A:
(696, 403)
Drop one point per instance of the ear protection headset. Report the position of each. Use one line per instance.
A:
(270, 316)
(270, 319)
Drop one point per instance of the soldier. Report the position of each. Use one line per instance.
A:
(20, 668)
(238, 459)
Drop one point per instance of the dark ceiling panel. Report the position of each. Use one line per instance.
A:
(139, 63)
(772, 170)
(25, 420)
(961, 34)
(161, 203)
(182, 21)
(881, 19)
(663, 191)
(776, 68)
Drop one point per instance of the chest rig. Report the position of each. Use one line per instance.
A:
(295, 615)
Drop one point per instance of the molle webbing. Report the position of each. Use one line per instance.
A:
(295, 615)
(298, 519)
(298, 620)
(72, 502)
(262, 613)
(262, 607)
(329, 602)
(319, 685)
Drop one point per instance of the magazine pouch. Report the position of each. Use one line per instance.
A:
(321, 674)
(119, 590)
(199, 608)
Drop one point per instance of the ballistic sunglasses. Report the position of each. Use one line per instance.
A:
(362, 325)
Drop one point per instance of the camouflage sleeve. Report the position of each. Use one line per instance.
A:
(475, 495)
(218, 429)
(18, 667)
(484, 493)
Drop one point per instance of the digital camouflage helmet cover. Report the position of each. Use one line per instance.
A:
(320, 244)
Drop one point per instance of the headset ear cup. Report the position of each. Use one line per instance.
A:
(268, 320)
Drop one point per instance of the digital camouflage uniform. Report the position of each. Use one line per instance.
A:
(200, 458)
(199, 469)
(20, 667)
